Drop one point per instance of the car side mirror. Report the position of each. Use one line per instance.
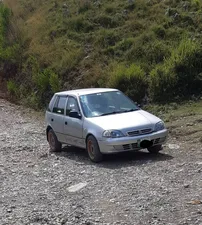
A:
(75, 114)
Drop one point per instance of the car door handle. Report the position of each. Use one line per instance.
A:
(66, 123)
(52, 120)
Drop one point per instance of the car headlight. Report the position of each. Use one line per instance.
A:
(159, 126)
(112, 134)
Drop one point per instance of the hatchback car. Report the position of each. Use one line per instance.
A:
(103, 121)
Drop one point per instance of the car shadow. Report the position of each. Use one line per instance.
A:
(114, 161)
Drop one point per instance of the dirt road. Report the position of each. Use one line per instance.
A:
(133, 188)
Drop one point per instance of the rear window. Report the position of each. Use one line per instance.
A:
(59, 106)
(51, 104)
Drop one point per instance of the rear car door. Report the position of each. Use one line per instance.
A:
(57, 117)
(73, 127)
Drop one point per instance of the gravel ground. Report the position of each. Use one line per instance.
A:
(132, 188)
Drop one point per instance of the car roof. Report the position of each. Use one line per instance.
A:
(85, 91)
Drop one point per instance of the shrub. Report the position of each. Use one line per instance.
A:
(130, 5)
(33, 100)
(162, 82)
(110, 9)
(7, 50)
(79, 24)
(131, 80)
(121, 47)
(32, 67)
(156, 52)
(159, 31)
(152, 51)
(4, 15)
(42, 81)
(106, 38)
(84, 5)
(68, 59)
(54, 82)
(107, 21)
(179, 75)
(196, 4)
(12, 88)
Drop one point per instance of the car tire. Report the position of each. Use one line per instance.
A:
(93, 149)
(55, 145)
(155, 149)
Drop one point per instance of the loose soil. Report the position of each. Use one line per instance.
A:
(130, 188)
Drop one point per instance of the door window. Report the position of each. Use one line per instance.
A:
(60, 105)
(72, 105)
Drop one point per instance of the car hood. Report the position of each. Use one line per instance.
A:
(136, 119)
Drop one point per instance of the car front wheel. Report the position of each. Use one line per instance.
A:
(55, 145)
(155, 149)
(93, 149)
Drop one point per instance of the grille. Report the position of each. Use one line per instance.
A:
(126, 147)
(132, 146)
(139, 132)
(134, 133)
(146, 131)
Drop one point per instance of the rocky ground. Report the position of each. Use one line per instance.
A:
(134, 188)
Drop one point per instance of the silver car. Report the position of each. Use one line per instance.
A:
(102, 121)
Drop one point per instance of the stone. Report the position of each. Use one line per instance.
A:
(77, 187)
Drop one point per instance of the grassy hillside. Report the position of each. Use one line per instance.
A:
(142, 47)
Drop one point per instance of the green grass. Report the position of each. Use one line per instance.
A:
(82, 41)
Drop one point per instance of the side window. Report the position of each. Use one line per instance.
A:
(72, 105)
(59, 106)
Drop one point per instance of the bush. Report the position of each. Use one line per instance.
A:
(109, 21)
(12, 88)
(131, 80)
(196, 4)
(122, 46)
(7, 50)
(42, 82)
(162, 82)
(152, 51)
(54, 82)
(159, 31)
(79, 24)
(179, 75)
(106, 38)
(110, 9)
(156, 52)
(84, 5)
(33, 100)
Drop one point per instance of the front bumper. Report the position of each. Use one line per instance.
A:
(115, 145)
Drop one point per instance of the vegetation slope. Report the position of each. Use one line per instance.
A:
(146, 48)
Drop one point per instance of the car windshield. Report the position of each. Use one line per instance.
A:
(106, 103)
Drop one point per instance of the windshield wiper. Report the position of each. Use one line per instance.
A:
(130, 110)
(116, 112)
(110, 113)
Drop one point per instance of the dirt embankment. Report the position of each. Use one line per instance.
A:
(3, 90)
(127, 189)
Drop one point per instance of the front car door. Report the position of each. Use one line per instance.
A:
(73, 127)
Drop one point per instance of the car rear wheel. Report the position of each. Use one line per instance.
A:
(93, 150)
(55, 145)
(155, 149)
